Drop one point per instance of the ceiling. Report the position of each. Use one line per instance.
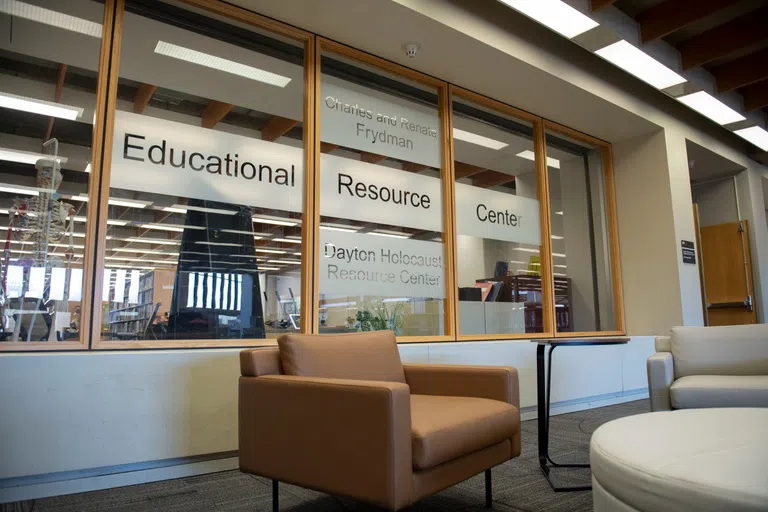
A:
(727, 38)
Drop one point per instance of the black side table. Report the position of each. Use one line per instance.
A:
(543, 384)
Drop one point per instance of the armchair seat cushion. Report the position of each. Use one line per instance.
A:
(445, 428)
(702, 391)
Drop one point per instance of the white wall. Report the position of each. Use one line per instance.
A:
(69, 412)
(717, 202)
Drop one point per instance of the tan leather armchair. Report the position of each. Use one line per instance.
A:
(308, 417)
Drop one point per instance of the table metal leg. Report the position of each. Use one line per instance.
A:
(544, 387)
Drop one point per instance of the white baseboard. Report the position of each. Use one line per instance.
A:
(128, 476)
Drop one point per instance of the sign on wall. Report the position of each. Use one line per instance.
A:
(355, 190)
(166, 157)
(355, 117)
(496, 215)
(353, 264)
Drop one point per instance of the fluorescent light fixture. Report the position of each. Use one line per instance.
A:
(83, 199)
(127, 203)
(560, 266)
(390, 235)
(559, 213)
(334, 228)
(529, 155)
(219, 244)
(473, 138)
(87, 167)
(241, 232)
(214, 62)
(638, 63)
(174, 209)
(267, 251)
(555, 14)
(158, 241)
(287, 240)
(50, 17)
(65, 246)
(142, 251)
(164, 227)
(559, 255)
(525, 249)
(285, 262)
(25, 157)
(20, 190)
(267, 269)
(711, 107)
(755, 135)
(117, 222)
(35, 106)
(557, 237)
(276, 222)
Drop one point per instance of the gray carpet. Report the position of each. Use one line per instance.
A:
(518, 485)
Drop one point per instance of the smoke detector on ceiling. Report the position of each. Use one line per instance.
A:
(411, 49)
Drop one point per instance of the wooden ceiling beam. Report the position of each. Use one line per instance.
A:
(740, 33)
(755, 96)
(143, 95)
(371, 158)
(465, 170)
(490, 179)
(215, 112)
(412, 167)
(599, 4)
(327, 147)
(277, 127)
(672, 15)
(57, 98)
(740, 72)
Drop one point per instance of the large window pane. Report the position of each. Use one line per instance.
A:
(382, 262)
(580, 244)
(49, 60)
(206, 193)
(497, 223)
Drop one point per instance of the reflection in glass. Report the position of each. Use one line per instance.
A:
(580, 243)
(497, 223)
(47, 101)
(381, 216)
(206, 191)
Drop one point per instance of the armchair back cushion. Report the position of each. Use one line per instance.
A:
(729, 350)
(257, 362)
(363, 356)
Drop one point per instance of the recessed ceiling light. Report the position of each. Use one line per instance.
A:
(157, 241)
(555, 14)
(219, 244)
(755, 135)
(26, 157)
(529, 155)
(711, 107)
(35, 106)
(473, 138)
(174, 209)
(334, 228)
(214, 62)
(636, 62)
(285, 262)
(390, 235)
(557, 237)
(559, 213)
(287, 240)
(276, 222)
(218, 211)
(128, 204)
(267, 251)
(117, 222)
(88, 167)
(30, 191)
(49, 17)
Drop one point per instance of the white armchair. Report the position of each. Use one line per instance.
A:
(700, 367)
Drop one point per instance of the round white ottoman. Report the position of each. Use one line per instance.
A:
(694, 459)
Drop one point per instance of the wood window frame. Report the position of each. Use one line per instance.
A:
(613, 228)
(237, 14)
(327, 45)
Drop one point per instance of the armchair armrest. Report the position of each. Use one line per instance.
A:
(494, 382)
(346, 437)
(661, 374)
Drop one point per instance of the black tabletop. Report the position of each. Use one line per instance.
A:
(575, 342)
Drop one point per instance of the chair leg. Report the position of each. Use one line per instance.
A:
(275, 499)
(488, 489)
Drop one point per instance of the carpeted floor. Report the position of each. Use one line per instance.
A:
(518, 485)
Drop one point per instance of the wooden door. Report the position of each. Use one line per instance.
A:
(727, 269)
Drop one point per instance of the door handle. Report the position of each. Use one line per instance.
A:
(723, 305)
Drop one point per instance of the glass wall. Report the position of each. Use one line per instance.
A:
(49, 65)
(497, 223)
(382, 256)
(204, 224)
(213, 224)
(581, 256)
